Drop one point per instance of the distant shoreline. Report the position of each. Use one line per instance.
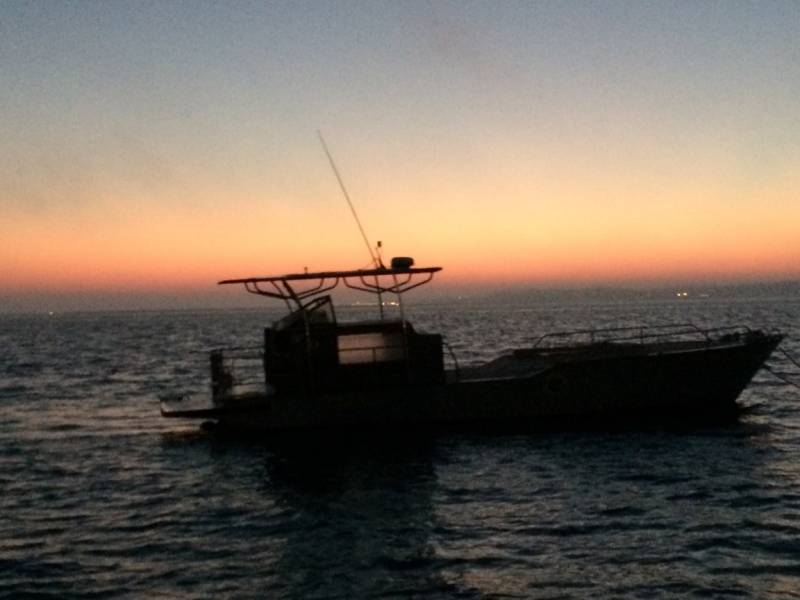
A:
(519, 296)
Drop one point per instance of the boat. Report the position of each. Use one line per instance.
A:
(316, 373)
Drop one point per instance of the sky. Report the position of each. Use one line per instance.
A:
(150, 149)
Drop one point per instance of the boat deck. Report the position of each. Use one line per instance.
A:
(507, 366)
(526, 362)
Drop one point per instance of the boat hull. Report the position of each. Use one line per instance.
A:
(595, 386)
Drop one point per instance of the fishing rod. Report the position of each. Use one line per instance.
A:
(373, 254)
(376, 260)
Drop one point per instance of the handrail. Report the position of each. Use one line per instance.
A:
(237, 349)
(236, 366)
(641, 332)
(447, 345)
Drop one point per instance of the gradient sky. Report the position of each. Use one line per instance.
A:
(155, 148)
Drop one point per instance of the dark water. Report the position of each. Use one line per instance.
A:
(100, 497)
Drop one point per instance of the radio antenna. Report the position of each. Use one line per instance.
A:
(373, 256)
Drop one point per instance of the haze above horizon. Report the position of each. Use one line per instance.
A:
(151, 149)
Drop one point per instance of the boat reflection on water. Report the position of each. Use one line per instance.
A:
(362, 519)
(475, 515)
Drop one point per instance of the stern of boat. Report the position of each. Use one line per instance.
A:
(236, 386)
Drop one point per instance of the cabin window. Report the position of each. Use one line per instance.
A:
(374, 347)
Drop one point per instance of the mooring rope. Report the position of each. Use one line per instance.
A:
(791, 359)
(781, 377)
(789, 356)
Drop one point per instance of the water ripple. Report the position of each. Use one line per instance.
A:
(102, 498)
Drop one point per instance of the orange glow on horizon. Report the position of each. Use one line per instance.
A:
(168, 251)
(482, 231)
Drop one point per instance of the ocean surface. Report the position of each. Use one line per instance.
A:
(102, 498)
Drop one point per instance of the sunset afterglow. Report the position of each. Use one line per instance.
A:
(150, 147)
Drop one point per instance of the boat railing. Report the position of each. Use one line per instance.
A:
(453, 360)
(237, 366)
(640, 334)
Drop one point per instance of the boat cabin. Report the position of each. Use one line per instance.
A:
(309, 352)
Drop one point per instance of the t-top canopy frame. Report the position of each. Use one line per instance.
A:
(363, 280)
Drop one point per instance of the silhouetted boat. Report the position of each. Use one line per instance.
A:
(317, 373)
